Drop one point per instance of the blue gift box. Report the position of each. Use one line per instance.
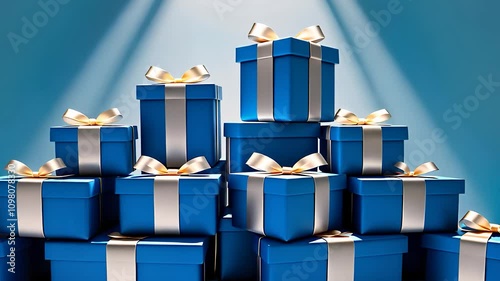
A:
(443, 257)
(375, 258)
(22, 259)
(236, 259)
(198, 110)
(117, 150)
(290, 76)
(378, 204)
(284, 142)
(342, 147)
(197, 199)
(71, 207)
(157, 258)
(289, 203)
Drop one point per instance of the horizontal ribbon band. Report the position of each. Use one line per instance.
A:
(341, 255)
(166, 190)
(121, 261)
(195, 74)
(473, 245)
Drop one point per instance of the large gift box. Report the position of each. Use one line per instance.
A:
(53, 208)
(128, 258)
(362, 150)
(335, 256)
(180, 121)
(172, 202)
(288, 203)
(95, 148)
(22, 259)
(285, 142)
(290, 79)
(236, 258)
(404, 204)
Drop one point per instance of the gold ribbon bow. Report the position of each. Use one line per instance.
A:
(475, 222)
(420, 170)
(334, 233)
(152, 166)
(196, 74)
(346, 117)
(265, 163)
(45, 171)
(261, 33)
(77, 118)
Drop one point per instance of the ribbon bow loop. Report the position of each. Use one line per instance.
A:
(262, 33)
(45, 171)
(152, 166)
(475, 222)
(335, 233)
(74, 117)
(196, 74)
(265, 163)
(420, 170)
(346, 117)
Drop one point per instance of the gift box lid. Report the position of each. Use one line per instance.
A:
(193, 91)
(393, 186)
(450, 242)
(271, 130)
(188, 185)
(62, 187)
(286, 185)
(168, 249)
(18, 243)
(113, 133)
(355, 133)
(274, 251)
(288, 46)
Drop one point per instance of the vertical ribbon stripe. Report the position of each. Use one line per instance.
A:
(89, 150)
(228, 156)
(217, 131)
(30, 208)
(121, 260)
(340, 258)
(472, 256)
(175, 125)
(414, 202)
(329, 148)
(321, 202)
(265, 82)
(255, 203)
(372, 150)
(315, 83)
(166, 205)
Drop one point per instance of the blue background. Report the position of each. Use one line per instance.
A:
(418, 59)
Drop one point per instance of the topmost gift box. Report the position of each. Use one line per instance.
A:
(288, 80)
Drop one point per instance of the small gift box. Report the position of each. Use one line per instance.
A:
(471, 255)
(22, 259)
(116, 257)
(360, 146)
(285, 142)
(94, 147)
(405, 203)
(236, 258)
(38, 205)
(286, 203)
(180, 120)
(290, 79)
(172, 202)
(332, 256)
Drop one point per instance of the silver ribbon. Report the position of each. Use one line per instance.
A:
(472, 257)
(121, 261)
(255, 201)
(175, 125)
(228, 155)
(89, 150)
(315, 83)
(30, 208)
(414, 204)
(329, 148)
(372, 150)
(340, 258)
(166, 205)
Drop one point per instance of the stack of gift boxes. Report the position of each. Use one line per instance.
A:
(306, 200)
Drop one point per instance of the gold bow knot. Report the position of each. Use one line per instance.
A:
(152, 166)
(475, 222)
(74, 117)
(335, 234)
(265, 163)
(196, 74)
(420, 170)
(262, 33)
(45, 171)
(346, 117)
